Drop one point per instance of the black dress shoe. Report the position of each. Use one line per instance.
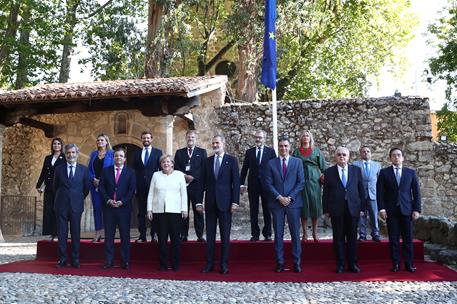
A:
(376, 239)
(354, 268)
(184, 239)
(125, 266)
(175, 268)
(268, 239)
(279, 268)
(224, 270)
(254, 239)
(75, 264)
(61, 264)
(201, 240)
(153, 240)
(297, 268)
(410, 268)
(140, 240)
(339, 269)
(395, 268)
(163, 268)
(362, 239)
(107, 265)
(208, 268)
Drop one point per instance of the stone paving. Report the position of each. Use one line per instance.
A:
(39, 288)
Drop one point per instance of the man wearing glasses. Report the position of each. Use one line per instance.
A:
(343, 199)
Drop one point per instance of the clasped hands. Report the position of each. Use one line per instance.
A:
(285, 200)
(115, 204)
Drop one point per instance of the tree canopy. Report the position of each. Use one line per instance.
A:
(326, 48)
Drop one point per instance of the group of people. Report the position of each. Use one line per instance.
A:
(296, 186)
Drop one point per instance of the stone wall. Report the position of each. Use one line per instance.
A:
(381, 123)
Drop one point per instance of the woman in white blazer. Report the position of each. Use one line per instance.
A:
(167, 203)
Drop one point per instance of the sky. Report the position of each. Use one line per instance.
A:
(412, 82)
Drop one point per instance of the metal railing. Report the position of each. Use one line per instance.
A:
(18, 214)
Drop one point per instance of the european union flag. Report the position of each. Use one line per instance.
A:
(269, 46)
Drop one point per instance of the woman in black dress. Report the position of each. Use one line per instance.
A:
(44, 184)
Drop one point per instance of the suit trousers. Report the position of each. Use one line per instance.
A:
(142, 211)
(398, 224)
(225, 225)
(372, 213)
(199, 221)
(169, 225)
(345, 235)
(117, 217)
(254, 193)
(293, 220)
(74, 218)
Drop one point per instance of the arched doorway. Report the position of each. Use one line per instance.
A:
(131, 150)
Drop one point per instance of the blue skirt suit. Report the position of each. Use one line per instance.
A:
(95, 196)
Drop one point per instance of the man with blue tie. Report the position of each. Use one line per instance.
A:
(146, 162)
(284, 180)
(71, 186)
(343, 199)
(370, 173)
(117, 188)
(255, 160)
(399, 202)
(222, 196)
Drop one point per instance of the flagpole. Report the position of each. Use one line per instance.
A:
(274, 110)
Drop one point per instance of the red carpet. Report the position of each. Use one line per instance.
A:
(249, 262)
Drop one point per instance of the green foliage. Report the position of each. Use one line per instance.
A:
(447, 123)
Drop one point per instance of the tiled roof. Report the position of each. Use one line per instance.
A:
(180, 86)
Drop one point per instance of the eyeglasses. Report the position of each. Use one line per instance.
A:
(341, 154)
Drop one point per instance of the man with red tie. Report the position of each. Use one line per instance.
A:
(117, 188)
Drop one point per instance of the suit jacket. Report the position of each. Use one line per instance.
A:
(250, 163)
(334, 194)
(144, 172)
(407, 193)
(47, 172)
(197, 170)
(125, 188)
(70, 195)
(369, 181)
(291, 185)
(225, 190)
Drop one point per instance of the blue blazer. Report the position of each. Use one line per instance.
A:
(144, 172)
(107, 161)
(369, 181)
(389, 193)
(291, 185)
(197, 170)
(225, 190)
(334, 194)
(125, 188)
(250, 163)
(70, 196)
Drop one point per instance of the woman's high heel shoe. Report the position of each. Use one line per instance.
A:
(97, 239)
(315, 238)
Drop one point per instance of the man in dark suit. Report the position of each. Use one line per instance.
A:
(117, 188)
(191, 161)
(146, 162)
(222, 186)
(343, 200)
(255, 159)
(284, 180)
(399, 202)
(71, 186)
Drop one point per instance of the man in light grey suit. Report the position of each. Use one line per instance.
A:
(370, 173)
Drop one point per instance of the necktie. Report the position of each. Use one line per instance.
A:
(343, 178)
(367, 173)
(71, 174)
(217, 166)
(146, 156)
(397, 175)
(118, 173)
(190, 153)
(258, 156)
(284, 168)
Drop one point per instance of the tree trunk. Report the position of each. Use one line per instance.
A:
(155, 49)
(10, 33)
(24, 47)
(70, 23)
